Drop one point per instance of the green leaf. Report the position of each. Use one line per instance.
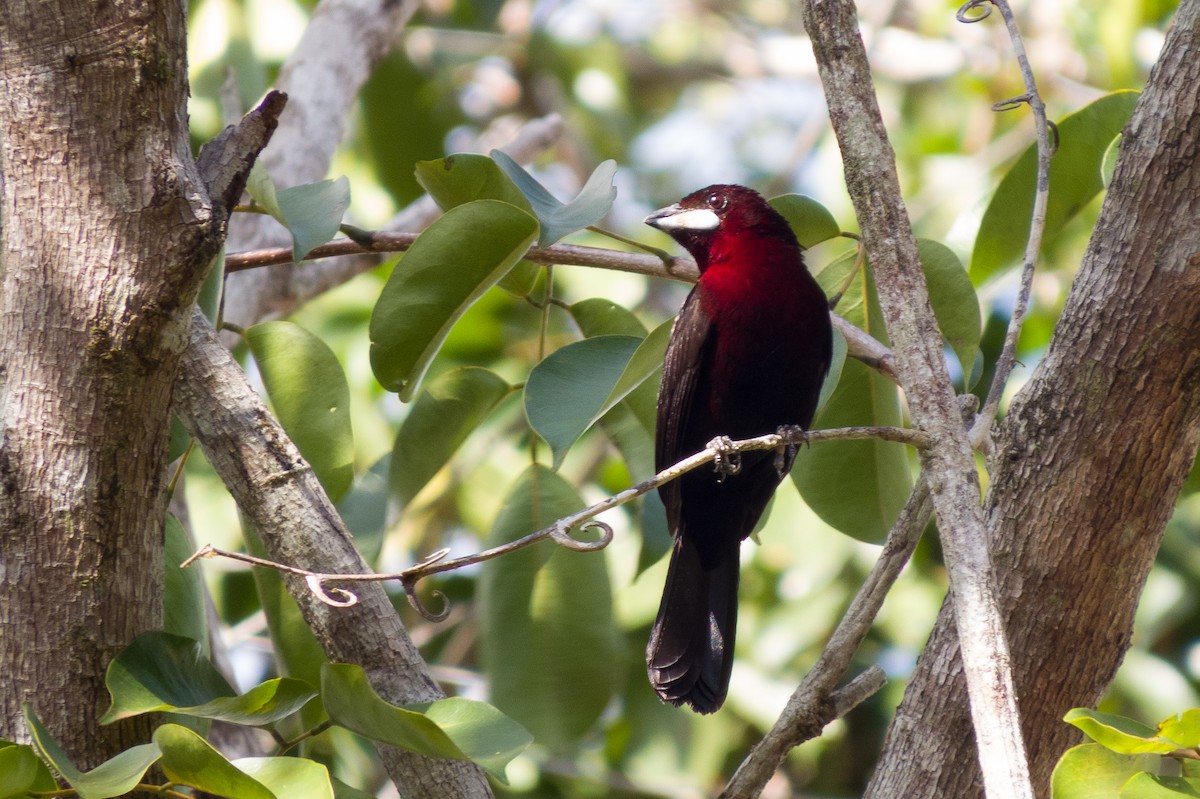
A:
(461, 729)
(209, 298)
(343, 791)
(187, 759)
(464, 177)
(558, 219)
(858, 487)
(311, 212)
(1075, 178)
(549, 643)
(311, 398)
(600, 317)
(1091, 771)
(952, 296)
(364, 508)
(448, 410)
(810, 221)
(836, 364)
(1150, 786)
(1118, 733)
(184, 604)
(21, 771)
(1110, 161)
(164, 672)
(1182, 729)
(574, 385)
(289, 776)
(449, 266)
(114, 777)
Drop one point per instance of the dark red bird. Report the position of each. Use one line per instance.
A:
(747, 356)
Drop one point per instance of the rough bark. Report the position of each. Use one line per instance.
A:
(278, 491)
(1089, 461)
(107, 230)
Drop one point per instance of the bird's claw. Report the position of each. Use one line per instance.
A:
(793, 436)
(726, 462)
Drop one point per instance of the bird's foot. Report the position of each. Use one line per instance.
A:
(726, 462)
(793, 436)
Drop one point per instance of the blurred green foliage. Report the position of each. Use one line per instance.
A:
(680, 95)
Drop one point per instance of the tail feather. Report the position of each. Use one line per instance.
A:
(690, 654)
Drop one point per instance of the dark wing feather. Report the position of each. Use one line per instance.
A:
(690, 346)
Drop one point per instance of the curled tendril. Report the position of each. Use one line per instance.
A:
(410, 591)
(1053, 137)
(432, 559)
(333, 596)
(982, 7)
(562, 536)
(1011, 103)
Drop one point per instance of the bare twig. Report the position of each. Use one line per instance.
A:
(814, 704)
(560, 531)
(1046, 145)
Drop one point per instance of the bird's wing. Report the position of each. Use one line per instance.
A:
(691, 344)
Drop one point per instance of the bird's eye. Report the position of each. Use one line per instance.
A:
(717, 201)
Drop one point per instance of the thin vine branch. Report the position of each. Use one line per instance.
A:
(1046, 145)
(560, 531)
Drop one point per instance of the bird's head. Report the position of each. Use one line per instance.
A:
(708, 221)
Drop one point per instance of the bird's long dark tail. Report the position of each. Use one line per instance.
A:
(690, 654)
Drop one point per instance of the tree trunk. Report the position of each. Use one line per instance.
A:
(1090, 459)
(107, 231)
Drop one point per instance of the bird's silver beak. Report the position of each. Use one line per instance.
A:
(676, 217)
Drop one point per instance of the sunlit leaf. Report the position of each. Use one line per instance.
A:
(114, 777)
(1119, 733)
(462, 729)
(857, 487)
(311, 212)
(288, 776)
(160, 671)
(1182, 729)
(464, 177)
(558, 219)
(1151, 786)
(449, 266)
(21, 771)
(187, 759)
(810, 221)
(309, 393)
(1075, 178)
(549, 643)
(952, 296)
(445, 413)
(1091, 771)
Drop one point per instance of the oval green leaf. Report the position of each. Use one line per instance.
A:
(313, 212)
(558, 219)
(114, 777)
(461, 729)
(858, 487)
(574, 385)
(955, 305)
(464, 177)
(549, 644)
(810, 221)
(164, 672)
(288, 776)
(184, 609)
(1144, 785)
(311, 398)
(1091, 771)
(448, 410)
(600, 317)
(1118, 733)
(20, 770)
(1075, 178)
(1182, 729)
(460, 256)
(189, 760)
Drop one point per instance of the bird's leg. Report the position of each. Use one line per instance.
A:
(726, 462)
(793, 436)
